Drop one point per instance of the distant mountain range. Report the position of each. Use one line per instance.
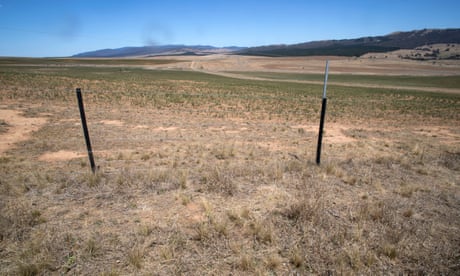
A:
(163, 50)
(360, 46)
(344, 47)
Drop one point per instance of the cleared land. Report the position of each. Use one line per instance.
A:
(206, 174)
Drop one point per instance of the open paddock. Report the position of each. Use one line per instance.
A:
(203, 173)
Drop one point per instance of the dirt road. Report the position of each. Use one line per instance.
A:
(232, 65)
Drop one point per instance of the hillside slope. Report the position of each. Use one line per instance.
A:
(158, 51)
(360, 46)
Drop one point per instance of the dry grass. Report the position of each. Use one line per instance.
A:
(214, 181)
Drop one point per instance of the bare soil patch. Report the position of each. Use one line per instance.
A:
(162, 128)
(19, 128)
(334, 134)
(112, 122)
(62, 155)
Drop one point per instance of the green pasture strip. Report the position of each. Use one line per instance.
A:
(194, 90)
(414, 81)
(82, 61)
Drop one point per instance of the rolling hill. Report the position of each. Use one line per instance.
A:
(158, 51)
(360, 46)
(344, 47)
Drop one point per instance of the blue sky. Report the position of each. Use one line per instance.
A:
(39, 28)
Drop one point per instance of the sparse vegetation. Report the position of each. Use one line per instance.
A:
(135, 257)
(202, 174)
(405, 81)
(3, 126)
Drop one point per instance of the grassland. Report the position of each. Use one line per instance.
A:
(202, 174)
(409, 81)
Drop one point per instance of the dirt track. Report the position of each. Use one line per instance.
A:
(315, 65)
(229, 66)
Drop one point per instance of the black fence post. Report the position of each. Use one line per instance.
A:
(323, 114)
(85, 130)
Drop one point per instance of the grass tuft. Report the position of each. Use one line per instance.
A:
(92, 248)
(219, 180)
(136, 257)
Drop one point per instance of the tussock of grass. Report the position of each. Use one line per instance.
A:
(451, 160)
(262, 231)
(219, 180)
(135, 257)
(246, 263)
(4, 126)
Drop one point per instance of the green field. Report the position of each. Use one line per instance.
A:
(188, 90)
(414, 81)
